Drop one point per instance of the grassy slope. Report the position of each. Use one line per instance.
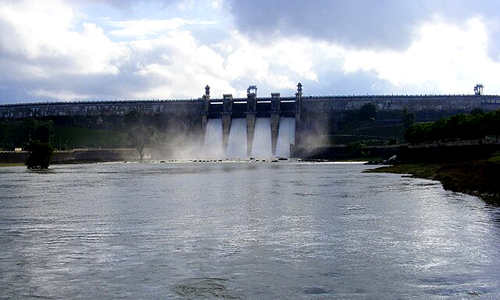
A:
(78, 137)
(378, 132)
(11, 165)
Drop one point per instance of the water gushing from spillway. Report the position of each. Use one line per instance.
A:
(237, 146)
(261, 147)
(286, 136)
(213, 139)
(237, 142)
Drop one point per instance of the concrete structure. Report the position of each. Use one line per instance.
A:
(251, 105)
(310, 113)
(317, 115)
(251, 108)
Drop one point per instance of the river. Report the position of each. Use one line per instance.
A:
(241, 231)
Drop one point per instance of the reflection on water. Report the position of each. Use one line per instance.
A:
(241, 231)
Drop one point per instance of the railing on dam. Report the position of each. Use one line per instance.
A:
(242, 106)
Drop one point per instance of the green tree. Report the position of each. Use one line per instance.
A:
(418, 133)
(38, 135)
(141, 136)
(492, 123)
(456, 127)
(140, 133)
(40, 156)
(474, 126)
(3, 134)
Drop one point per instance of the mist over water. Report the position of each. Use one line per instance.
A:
(237, 142)
(286, 136)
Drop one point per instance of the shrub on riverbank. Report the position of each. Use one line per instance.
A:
(474, 126)
(40, 155)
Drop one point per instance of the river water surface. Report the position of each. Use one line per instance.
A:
(241, 231)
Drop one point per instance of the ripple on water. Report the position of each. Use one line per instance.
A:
(204, 288)
(315, 291)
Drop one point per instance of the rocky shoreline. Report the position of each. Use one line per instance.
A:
(477, 177)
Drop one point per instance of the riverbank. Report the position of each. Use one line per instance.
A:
(477, 177)
(3, 165)
(74, 156)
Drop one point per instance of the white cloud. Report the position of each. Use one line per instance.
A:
(34, 29)
(51, 50)
(43, 36)
(59, 94)
(444, 59)
(149, 28)
(275, 66)
(176, 65)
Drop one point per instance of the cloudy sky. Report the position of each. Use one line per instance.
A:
(67, 50)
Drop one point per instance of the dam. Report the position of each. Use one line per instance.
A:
(251, 127)
(254, 126)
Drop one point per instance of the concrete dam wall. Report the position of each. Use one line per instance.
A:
(255, 126)
(100, 108)
(332, 104)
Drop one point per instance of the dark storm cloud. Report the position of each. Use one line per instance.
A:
(357, 23)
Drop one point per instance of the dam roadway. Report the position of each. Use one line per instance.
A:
(334, 104)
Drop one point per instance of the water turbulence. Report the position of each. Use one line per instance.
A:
(237, 142)
(213, 139)
(286, 136)
(261, 146)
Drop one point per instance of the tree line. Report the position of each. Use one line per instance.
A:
(462, 127)
(18, 134)
(35, 136)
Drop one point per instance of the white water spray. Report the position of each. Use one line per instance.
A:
(286, 136)
(213, 139)
(261, 147)
(237, 142)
